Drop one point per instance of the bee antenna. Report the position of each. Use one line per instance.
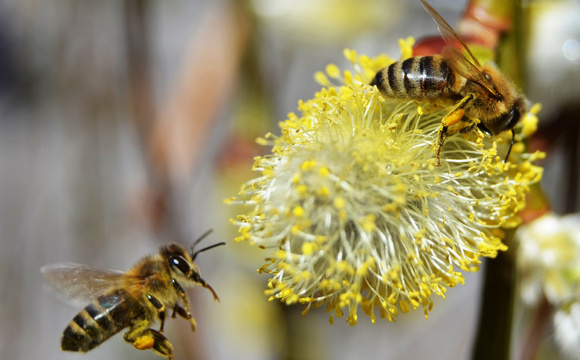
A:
(205, 234)
(193, 255)
(206, 248)
(511, 144)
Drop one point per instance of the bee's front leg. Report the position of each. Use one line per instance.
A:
(186, 315)
(452, 118)
(144, 338)
(184, 312)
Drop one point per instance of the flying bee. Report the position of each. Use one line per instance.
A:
(481, 94)
(133, 299)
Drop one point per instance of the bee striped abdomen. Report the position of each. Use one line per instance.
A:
(420, 77)
(100, 320)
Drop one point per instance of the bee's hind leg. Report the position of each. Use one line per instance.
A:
(452, 118)
(144, 338)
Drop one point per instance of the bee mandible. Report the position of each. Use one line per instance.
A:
(481, 95)
(133, 299)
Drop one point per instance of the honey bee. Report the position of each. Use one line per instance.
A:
(133, 299)
(481, 94)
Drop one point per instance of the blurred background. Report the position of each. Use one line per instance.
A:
(125, 123)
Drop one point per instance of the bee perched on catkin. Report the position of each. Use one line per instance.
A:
(133, 299)
(353, 211)
(477, 95)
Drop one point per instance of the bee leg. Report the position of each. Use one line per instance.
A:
(186, 315)
(470, 125)
(449, 120)
(511, 145)
(452, 118)
(144, 338)
(161, 345)
(160, 309)
(184, 312)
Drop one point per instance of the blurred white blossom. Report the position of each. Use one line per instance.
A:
(548, 262)
(549, 258)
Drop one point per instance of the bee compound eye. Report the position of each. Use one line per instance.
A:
(179, 263)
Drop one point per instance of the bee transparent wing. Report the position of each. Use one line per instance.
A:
(449, 35)
(458, 55)
(457, 60)
(79, 284)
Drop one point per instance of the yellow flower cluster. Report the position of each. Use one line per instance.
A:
(358, 213)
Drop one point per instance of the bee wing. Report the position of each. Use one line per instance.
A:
(79, 284)
(457, 53)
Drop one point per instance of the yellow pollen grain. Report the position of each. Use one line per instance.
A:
(296, 230)
(144, 342)
(308, 165)
(350, 55)
(324, 171)
(401, 188)
(406, 46)
(400, 200)
(298, 211)
(530, 126)
(362, 270)
(333, 71)
(323, 191)
(348, 77)
(536, 108)
(339, 203)
(518, 148)
(302, 190)
(368, 222)
(404, 306)
(321, 78)
(307, 248)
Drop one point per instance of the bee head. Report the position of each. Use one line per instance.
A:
(513, 116)
(506, 121)
(181, 262)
